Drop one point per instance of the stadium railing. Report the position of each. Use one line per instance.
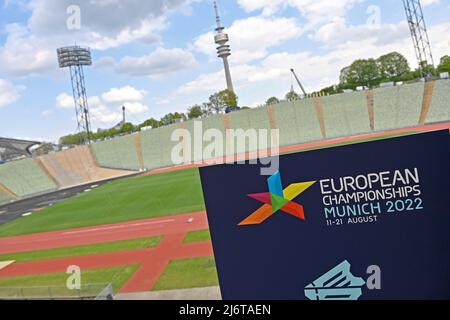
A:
(86, 292)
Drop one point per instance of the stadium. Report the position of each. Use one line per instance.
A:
(136, 224)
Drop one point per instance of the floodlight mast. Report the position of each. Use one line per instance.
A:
(75, 58)
(419, 34)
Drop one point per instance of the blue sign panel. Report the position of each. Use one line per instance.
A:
(363, 221)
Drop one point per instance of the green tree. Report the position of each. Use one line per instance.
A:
(195, 112)
(363, 72)
(444, 65)
(127, 128)
(228, 98)
(207, 109)
(272, 101)
(153, 123)
(72, 139)
(392, 65)
(292, 96)
(172, 118)
(216, 104)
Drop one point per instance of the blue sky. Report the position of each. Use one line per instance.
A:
(158, 56)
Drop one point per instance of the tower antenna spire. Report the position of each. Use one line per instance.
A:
(218, 21)
(223, 49)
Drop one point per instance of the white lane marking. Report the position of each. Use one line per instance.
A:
(119, 227)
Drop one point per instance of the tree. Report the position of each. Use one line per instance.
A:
(343, 78)
(363, 72)
(127, 128)
(195, 112)
(272, 101)
(72, 139)
(392, 65)
(153, 123)
(207, 109)
(444, 65)
(292, 96)
(172, 118)
(216, 103)
(229, 98)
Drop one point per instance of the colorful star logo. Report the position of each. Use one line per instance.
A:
(278, 199)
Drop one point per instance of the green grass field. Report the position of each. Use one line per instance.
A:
(129, 199)
(106, 247)
(117, 276)
(188, 273)
(197, 236)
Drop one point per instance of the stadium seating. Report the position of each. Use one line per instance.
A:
(346, 114)
(297, 122)
(254, 119)
(440, 105)
(398, 107)
(25, 178)
(4, 197)
(216, 122)
(117, 153)
(157, 146)
(76, 167)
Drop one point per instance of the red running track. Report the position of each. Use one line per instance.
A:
(152, 262)
(105, 233)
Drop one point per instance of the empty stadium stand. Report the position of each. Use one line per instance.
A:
(117, 153)
(346, 114)
(75, 167)
(398, 107)
(5, 196)
(440, 105)
(25, 178)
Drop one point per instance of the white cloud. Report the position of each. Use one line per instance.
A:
(106, 110)
(426, 3)
(103, 116)
(337, 32)
(105, 24)
(251, 38)
(29, 48)
(159, 62)
(24, 54)
(9, 93)
(314, 11)
(127, 93)
(135, 108)
(64, 101)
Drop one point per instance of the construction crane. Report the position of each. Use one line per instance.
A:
(298, 81)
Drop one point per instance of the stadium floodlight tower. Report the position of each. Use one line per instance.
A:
(223, 50)
(419, 34)
(74, 58)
